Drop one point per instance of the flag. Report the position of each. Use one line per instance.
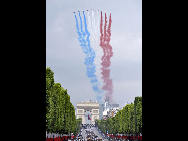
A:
(89, 117)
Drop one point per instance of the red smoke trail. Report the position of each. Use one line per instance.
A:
(107, 49)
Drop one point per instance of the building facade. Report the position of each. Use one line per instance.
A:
(91, 106)
(101, 109)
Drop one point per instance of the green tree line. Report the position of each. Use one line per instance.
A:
(126, 121)
(60, 113)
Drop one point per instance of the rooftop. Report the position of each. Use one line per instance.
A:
(83, 102)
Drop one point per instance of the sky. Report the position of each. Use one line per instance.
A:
(65, 58)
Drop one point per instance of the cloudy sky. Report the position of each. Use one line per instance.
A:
(65, 57)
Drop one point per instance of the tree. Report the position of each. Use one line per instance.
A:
(113, 128)
(60, 114)
(77, 127)
(110, 126)
(104, 124)
(138, 114)
(49, 95)
(132, 121)
(126, 121)
(66, 113)
(73, 118)
(119, 120)
(116, 124)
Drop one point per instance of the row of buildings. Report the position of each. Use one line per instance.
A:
(108, 110)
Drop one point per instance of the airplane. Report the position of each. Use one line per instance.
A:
(78, 11)
(87, 10)
(73, 12)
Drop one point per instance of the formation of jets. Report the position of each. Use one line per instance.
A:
(87, 10)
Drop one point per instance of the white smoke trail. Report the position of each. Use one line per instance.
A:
(100, 53)
(89, 23)
(94, 30)
(95, 45)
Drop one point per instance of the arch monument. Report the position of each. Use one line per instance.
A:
(91, 106)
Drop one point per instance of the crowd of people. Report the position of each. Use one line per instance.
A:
(88, 135)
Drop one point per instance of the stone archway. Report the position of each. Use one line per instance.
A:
(83, 106)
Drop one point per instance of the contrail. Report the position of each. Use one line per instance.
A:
(98, 51)
(107, 50)
(83, 38)
(95, 40)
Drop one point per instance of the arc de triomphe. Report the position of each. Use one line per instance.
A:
(83, 106)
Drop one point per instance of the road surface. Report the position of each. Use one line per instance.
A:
(96, 132)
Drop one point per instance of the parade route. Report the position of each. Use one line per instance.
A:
(95, 131)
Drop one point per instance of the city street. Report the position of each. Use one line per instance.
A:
(96, 132)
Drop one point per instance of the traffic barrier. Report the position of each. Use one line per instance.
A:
(49, 139)
(63, 138)
(57, 139)
(116, 136)
(127, 137)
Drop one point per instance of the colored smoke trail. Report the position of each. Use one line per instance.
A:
(107, 50)
(94, 29)
(90, 55)
(99, 51)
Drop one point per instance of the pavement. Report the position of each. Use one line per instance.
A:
(96, 132)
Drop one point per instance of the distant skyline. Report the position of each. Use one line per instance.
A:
(65, 57)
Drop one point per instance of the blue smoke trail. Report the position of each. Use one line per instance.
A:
(90, 55)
